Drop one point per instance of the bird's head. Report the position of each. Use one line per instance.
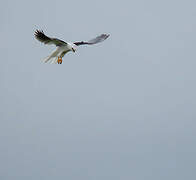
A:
(72, 47)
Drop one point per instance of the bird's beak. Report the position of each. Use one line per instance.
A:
(73, 50)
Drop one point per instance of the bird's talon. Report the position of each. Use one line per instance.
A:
(59, 61)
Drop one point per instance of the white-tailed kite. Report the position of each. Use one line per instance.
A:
(64, 47)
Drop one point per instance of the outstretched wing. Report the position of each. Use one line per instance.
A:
(40, 36)
(96, 40)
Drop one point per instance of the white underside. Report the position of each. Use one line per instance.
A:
(53, 58)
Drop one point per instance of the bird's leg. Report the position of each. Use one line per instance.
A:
(59, 61)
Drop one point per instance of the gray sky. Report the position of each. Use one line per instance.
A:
(123, 109)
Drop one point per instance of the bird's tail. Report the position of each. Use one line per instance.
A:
(51, 58)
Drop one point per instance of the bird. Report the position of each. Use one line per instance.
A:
(64, 47)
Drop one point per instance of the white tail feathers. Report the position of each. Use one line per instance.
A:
(52, 59)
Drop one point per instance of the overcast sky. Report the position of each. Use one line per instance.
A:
(124, 109)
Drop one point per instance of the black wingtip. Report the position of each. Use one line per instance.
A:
(40, 36)
(38, 32)
(106, 35)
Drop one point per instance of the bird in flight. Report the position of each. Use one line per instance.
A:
(64, 47)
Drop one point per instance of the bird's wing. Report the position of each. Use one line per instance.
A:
(96, 40)
(40, 36)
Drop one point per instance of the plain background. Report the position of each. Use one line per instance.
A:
(122, 109)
